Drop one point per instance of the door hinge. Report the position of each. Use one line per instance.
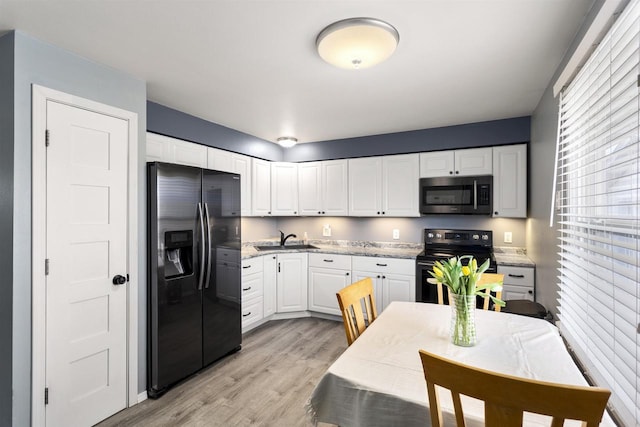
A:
(46, 395)
(46, 267)
(46, 138)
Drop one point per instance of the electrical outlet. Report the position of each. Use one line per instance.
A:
(508, 237)
(396, 234)
(326, 230)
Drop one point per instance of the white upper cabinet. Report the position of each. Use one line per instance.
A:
(171, 150)
(323, 188)
(510, 181)
(384, 186)
(227, 161)
(284, 189)
(400, 185)
(468, 162)
(261, 187)
(365, 186)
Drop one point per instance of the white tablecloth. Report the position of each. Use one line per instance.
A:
(378, 380)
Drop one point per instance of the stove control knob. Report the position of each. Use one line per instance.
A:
(485, 237)
(430, 235)
(476, 237)
(438, 236)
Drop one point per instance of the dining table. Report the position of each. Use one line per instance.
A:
(378, 381)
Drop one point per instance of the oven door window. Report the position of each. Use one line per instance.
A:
(457, 195)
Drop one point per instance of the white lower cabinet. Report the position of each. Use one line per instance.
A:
(394, 279)
(292, 277)
(269, 284)
(252, 292)
(519, 283)
(327, 275)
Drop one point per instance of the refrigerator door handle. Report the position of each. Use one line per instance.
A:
(206, 280)
(202, 246)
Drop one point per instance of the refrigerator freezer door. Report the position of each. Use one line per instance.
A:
(175, 251)
(221, 315)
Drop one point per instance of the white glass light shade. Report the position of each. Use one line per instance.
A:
(357, 43)
(287, 141)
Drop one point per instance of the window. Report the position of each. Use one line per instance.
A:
(597, 201)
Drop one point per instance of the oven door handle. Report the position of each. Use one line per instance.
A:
(426, 264)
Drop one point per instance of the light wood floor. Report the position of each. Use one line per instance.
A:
(267, 383)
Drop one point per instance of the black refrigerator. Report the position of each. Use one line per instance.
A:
(194, 315)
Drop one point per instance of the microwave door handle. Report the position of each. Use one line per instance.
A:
(202, 247)
(475, 195)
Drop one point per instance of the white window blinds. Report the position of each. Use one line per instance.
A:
(597, 201)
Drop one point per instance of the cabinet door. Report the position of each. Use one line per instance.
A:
(261, 187)
(474, 161)
(219, 160)
(324, 283)
(284, 189)
(188, 153)
(269, 285)
(310, 188)
(335, 186)
(400, 185)
(510, 181)
(158, 148)
(436, 163)
(398, 287)
(376, 279)
(292, 279)
(365, 186)
(242, 165)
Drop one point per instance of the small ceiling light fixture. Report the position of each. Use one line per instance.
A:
(357, 43)
(287, 141)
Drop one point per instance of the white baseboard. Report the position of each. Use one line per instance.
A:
(142, 396)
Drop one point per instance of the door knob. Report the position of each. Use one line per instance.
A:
(119, 280)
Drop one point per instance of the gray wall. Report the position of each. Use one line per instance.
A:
(482, 134)
(40, 63)
(541, 239)
(380, 229)
(6, 225)
(170, 122)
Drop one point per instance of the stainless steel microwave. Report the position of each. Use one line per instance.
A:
(464, 195)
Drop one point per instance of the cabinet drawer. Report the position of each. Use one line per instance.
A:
(252, 311)
(384, 265)
(252, 265)
(252, 285)
(341, 262)
(520, 276)
(514, 292)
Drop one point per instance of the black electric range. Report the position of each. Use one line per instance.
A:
(441, 245)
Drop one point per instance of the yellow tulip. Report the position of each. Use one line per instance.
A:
(437, 271)
(466, 270)
(474, 264)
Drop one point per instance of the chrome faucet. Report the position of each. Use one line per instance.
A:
(283, 239)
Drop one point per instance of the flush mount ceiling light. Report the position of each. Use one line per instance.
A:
(287, 141)
(357, 43)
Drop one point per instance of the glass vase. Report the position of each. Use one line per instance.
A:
(463, 320)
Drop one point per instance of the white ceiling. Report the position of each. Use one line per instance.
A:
(252, 65)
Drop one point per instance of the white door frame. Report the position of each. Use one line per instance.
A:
(40, 97)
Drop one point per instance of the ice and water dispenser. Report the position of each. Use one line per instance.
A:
(179, 254)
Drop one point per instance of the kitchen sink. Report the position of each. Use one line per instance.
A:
(284, 248)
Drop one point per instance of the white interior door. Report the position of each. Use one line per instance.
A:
(86, 234)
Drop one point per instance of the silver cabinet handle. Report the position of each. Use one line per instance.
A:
(202, 242)
(206, 280)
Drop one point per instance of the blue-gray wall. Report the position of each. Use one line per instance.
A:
(6, 225)
(483, 134)
(46, 65)
(174, 123)
(542, 240)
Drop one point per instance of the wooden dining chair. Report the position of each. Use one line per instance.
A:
(506, 397)
(356, 301)
(486, 278)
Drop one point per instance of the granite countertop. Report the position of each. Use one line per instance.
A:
(339, 247)
(512, 257)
